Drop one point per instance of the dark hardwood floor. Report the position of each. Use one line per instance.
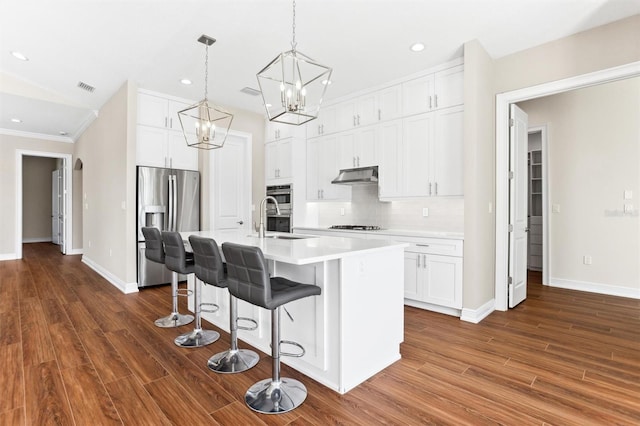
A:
(74, 350)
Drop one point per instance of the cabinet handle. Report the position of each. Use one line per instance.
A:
(322, 194)
(430, 104)
(322, 125)
(318, 194)
(379, 115)
(165, 122)
(418, 261)
(429, 188)
(423, 245)
(171, 123)
(424, 261)
(358, 119)
(354, 121)
(436, 100)
(358, 158)
(436, 187)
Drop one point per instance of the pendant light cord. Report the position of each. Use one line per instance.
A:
(293, 41)
(206, 70)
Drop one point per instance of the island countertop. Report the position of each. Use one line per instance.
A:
(298, 249)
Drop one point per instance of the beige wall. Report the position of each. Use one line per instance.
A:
(108, 155)
(8, 147)
(593, 151)
(36, 197)
(604, 47)
(479, 171)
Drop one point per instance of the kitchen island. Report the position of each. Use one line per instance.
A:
(352, 330)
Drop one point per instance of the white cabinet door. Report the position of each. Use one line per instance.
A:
(173, 120)
(449, 87)
(181, 155)
(367, 147)
(276, 131)
(328, 155)
(390, 156)
(443, 280)
(284, 158)
(447, 152)
(278, 160)
(389, 103)
(313, 169)
(347, 149)
(366, 110)
(346, 115)
(271, 161)
(151, 146)
(412, 277)
(152, 110)
(418, 133)
(417, 95)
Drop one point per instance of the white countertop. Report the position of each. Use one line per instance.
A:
(299, 251)
(394, 232)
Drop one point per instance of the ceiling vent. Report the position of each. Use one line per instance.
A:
(85, 86)
(250, 91)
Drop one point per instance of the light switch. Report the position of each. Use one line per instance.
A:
(628, 208)
(628, 194)
(341, 211)
(425, 212)
(555, 208)
(123, 205)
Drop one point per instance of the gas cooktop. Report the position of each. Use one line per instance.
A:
(357, 227)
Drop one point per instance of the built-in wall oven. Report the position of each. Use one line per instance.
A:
(282, 222)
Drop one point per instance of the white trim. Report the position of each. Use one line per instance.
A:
(73, 252)
(434, 308)
(546, 213)
(608, 289)
(8, 256)
(477, 315)
(10, 132)
(124, 287)
(37, 240)
(68, 204)
(503, 100)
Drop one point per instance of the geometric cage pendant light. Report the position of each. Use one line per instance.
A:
(205, 125)
(293, 85)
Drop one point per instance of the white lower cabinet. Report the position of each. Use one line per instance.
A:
(433, 279)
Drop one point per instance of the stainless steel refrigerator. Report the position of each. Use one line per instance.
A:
(169, 200)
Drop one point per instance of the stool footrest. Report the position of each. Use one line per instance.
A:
(294, 355)
(210, 311)
(244, 327)
(184, 292)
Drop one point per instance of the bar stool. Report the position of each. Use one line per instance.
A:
(177, 261)
(248, 279)
(154, 251)
(210, 270)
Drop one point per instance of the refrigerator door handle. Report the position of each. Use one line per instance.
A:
(175, 203)
(170, 221)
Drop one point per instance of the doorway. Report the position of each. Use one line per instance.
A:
(538, 257)
(503, 102)
(67, 202)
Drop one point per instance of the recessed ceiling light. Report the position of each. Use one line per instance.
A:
(16, 120)
(19, 55)
(185, 81)
(417, 47)
(326, 82)
(268, 105)
(63, 133)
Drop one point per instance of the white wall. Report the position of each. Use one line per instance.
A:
(594, 151)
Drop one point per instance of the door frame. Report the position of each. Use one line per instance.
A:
(503, 100)
(68, 198)
(248, 184)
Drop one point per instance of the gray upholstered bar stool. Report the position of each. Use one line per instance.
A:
(154, 251)
(248, 279)
(210, 270)
(179, 262)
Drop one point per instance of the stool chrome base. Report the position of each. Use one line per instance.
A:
(233, 361)
(197, 338)
(173, 320)
(269, 397)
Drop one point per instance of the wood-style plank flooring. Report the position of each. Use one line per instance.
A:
(76, 351)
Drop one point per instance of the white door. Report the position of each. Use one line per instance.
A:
(518, 146)
(55, 207)
(231, 184)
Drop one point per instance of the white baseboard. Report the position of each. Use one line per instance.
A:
(37, 240)
(8, 256)
(608, 289)
(115, 281)
(431, 307)
(477, 315)
(75, 251)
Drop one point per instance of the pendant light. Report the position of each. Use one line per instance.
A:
(204, 125)
(293, 85)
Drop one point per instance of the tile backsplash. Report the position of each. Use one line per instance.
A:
(444, 214)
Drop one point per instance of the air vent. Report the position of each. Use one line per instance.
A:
(250, 91)
(85, 86)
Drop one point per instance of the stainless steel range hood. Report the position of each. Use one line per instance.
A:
(359, 176)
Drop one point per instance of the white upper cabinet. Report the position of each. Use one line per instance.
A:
(276, 131)
(323, 156)
(416, 159)
(325, 124)
(278, 160)
(442, 89)
(160, 141)
(358, 148)
(448, 152)
(369, 109)
(390, 156)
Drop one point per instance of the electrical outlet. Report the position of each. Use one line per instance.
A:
(586, 260)
(110, 252)
(555, 208)
(425, 212)
(341, 211)
(628, 194)
(123, 205)
(89, 243)
(628, 208)
(490, 207)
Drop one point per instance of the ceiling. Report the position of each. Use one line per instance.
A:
(104, 43)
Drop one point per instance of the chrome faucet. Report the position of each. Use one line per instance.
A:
(263, 212)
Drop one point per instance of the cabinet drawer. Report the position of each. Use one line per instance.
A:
(437, 246)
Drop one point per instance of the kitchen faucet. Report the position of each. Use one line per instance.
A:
(263, 212)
